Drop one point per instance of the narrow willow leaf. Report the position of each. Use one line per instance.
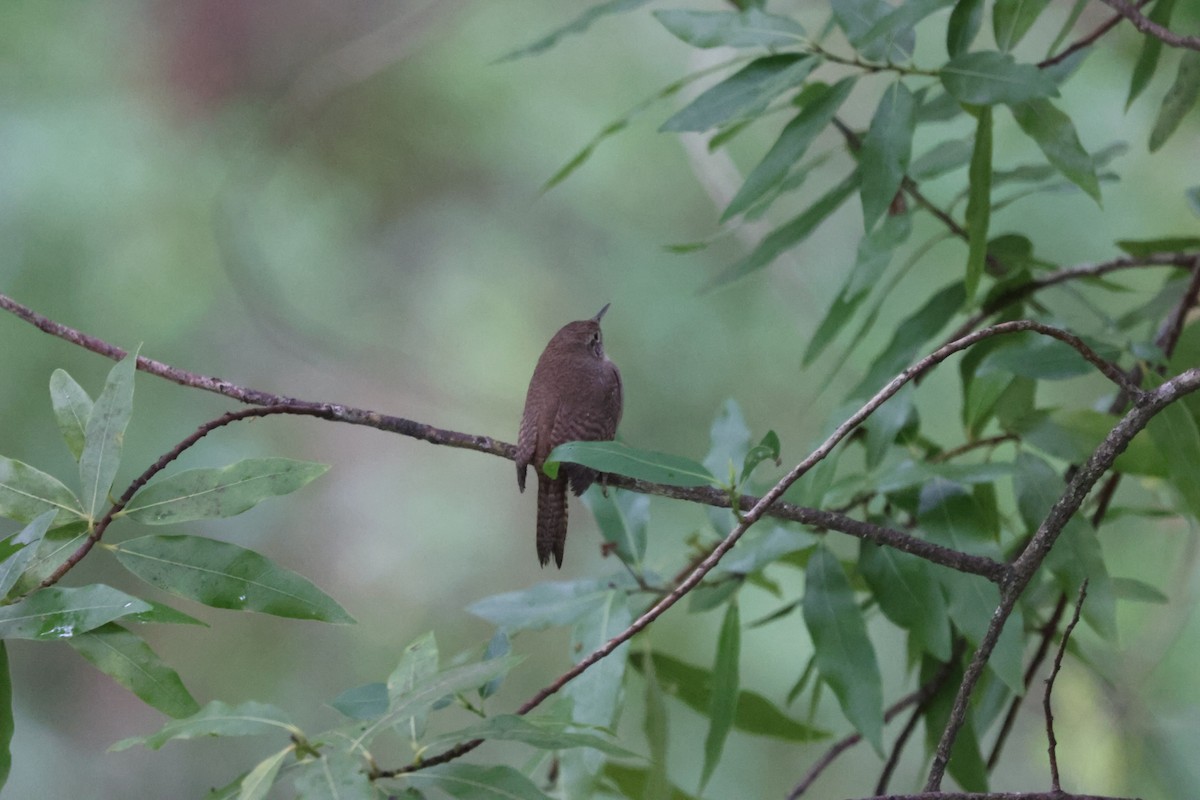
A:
(845, 657)
(657, 785)
(223, 575)
(1145, 247)
(632, 782)
(336, 775)
(788, 235)
(1055, 135)
(545, 605)
(622, 518)
(7, 726)
(790, 147)
(217, 719)
(645, 465)
(1068, 25)
(258, 782)
(26, 493)
(56, 547)
(165, 614)
(966, 765)
(1175, 433)
(58, 613)
(965, 21)
(1147, 62)
(545, 733)
(222, 492)
(908, 596)
(105, 435)
(72, 410)
(724, 699)
(418, 663)
(857, 19)
(766, 450)
(1178, 100)
(745, 93)
(1012, 19)
(886, 151)
(127, 659)
(1138, 591)
(979, 203)
(942, 158)
(474, 782)
(986, 77)
(749, 28)
(729, 439)
(910, 337)
(578, 25)
(19, 549)
(899, 22)
(365, 702)
(1033, 355)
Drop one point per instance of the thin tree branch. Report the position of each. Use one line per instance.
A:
(158, 466)
(991, 441)
(1086, 41)
(1026, 565)
(1052, 795)
(1052, 742)
(1148, 26)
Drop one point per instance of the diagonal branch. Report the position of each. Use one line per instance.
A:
(1148, 26)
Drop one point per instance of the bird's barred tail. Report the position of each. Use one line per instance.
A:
(551, 520)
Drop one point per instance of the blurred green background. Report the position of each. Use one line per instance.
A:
(342, 202)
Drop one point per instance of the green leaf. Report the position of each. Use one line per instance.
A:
(844, 655)
(790, 147)
(336, 775)
(987, 77)
(1138, 591)
(221, 492)
(58, 613)
(1034, 355)
(749, 28)
(788, 235)
(766, 450)
(979, 203)
(724, 698)
(545, 605)
(966, 765)
(165, 614)
(692, 686)
(908, 596)
(105, 435)
(886, 151)
(1174, 432)
(1012, 19)
(57, 545)
(1178, 100)
(127, 659)
(1147, 61)
(474, 782)
(418, 664)
(223, 575)
(858, 19)
(645, 465)
(368, 701)
(745, 93)
(1073, 434)
(217, 719)
(656, 784)
(631, 782)
(965, 21)
(1056, 136)
(258, 782)
(622, 518)
(898, 23)
(1145, 247)
(19, 549)
(942, 158)
(543, 732)
(729, 438)
(72, 410)
(26, 493)
(577, 25)
(7, 726)
(908, 474)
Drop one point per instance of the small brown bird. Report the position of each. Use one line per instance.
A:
(574, 395)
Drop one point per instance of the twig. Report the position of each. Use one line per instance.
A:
(996, 796)
(158, 466)
(1149, 26)
(991, 441)
(1024, 567)
(1052, 743)
(1086, 41)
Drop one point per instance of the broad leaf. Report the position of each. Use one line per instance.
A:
(979, 203)
(749, 28)
(724, 699)
(365, 702)
(790, 147)
(844, 655)
(578, 25)
(222, 492)
(128, 660)
(897, 24)
(105, 435)
(544, 605)
(1178, 100)
(19, 549)
(223, 575)
(473, 782)
(987, 77)
(1012, 19)
(858, 19)
(418, 664)
(1055, 135)
(218, 719)
(886, 151)
(745, 93)
(72, 410)
(644, 465)
(59, 613)
(336, 775)
(908, 596)
(622, 518)
(729, 439)
(26, 493)
(1034, 355)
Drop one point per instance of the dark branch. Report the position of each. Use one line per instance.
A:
(1148, 26)
(1052, 743)
(1086, 41)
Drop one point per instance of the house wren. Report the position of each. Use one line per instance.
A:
(574, 395)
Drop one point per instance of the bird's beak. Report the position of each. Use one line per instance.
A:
(601, 314)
